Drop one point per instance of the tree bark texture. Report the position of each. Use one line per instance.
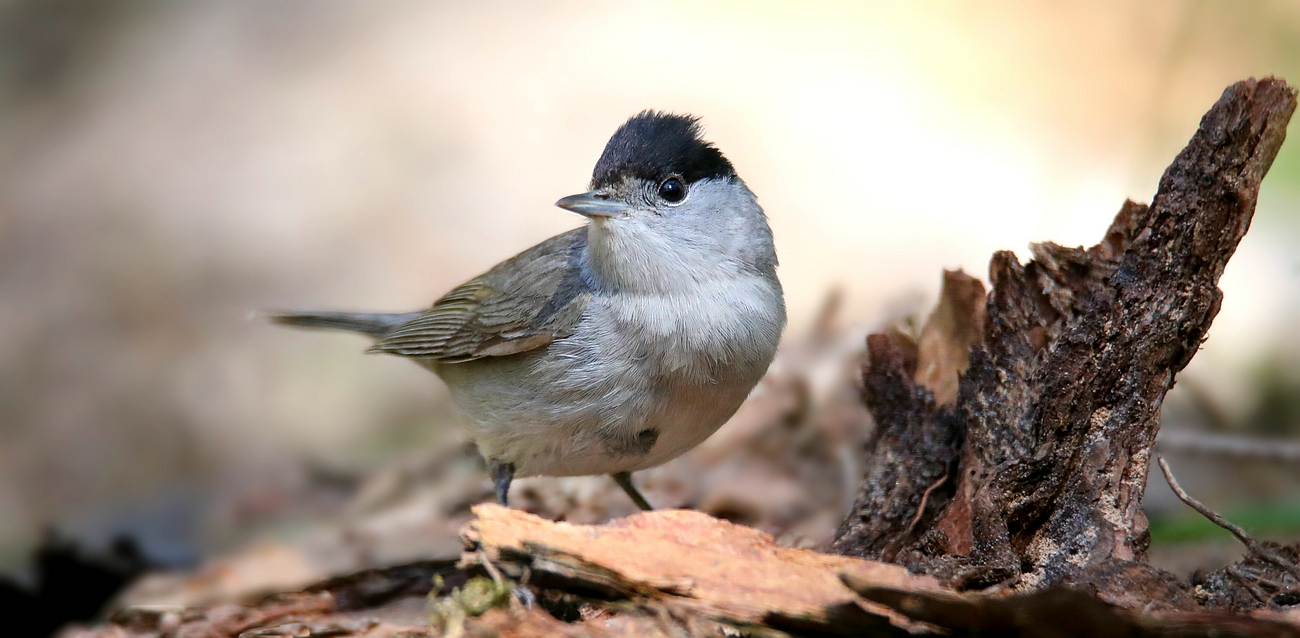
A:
(1031, 473)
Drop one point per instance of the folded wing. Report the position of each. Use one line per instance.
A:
(523, 303)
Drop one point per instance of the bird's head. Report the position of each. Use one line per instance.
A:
(666, 207)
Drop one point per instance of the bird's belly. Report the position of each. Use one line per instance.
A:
(628, 422)
(614, 396)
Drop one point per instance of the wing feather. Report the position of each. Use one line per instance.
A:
(523, 303)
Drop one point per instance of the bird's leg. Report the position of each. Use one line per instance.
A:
(502, 473)
(624, 480)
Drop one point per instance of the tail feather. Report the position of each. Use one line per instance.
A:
(374, 324)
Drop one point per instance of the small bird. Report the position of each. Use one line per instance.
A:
(616, 346)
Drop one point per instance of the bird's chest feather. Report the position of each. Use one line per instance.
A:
(700, 334)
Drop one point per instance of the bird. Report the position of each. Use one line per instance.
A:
(616, 346)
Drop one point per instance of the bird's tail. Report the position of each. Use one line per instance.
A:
(374, 324)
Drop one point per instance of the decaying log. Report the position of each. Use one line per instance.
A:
(1041, 462)
(694, 564)
(660, 574)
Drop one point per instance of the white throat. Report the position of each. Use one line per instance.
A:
(718, 233)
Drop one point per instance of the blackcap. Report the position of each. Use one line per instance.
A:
(613, 347)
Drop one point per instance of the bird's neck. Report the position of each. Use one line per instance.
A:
(629, 258)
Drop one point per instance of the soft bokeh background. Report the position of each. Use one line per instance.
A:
(167, 167)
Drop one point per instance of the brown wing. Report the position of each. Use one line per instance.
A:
(523, 303)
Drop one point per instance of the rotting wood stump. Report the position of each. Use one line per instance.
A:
(1014, 437)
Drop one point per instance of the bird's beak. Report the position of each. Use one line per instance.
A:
(594, 204)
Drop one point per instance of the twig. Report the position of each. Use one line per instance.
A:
(491, 569)
(1246, 539)
(1268, 585)
(920, 509)
(1248, 584)
(521, 597)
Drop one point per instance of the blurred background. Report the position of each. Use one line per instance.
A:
(165, 168)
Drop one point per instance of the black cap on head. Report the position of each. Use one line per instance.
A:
(653, 145)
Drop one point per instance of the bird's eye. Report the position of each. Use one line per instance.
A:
(672, 190)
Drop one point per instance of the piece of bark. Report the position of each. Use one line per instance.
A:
(693, 562)
(280, 615)
(1041, 613)
(374, 587)
(637, 623)
(909, 389)
(1058, 410)
(955, 325)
